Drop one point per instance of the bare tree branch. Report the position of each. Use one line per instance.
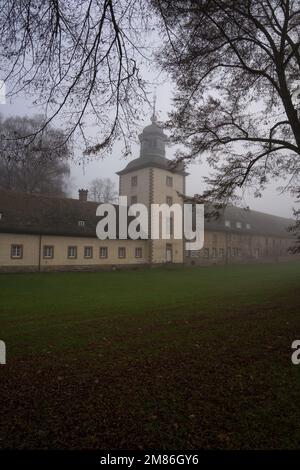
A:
(79, 59)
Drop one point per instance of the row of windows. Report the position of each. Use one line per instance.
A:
(214, 253)
(241, 238)
(48, 252)
(238, 225)
(231, 251)
(169, 181)
(169, 200)
(206, 253)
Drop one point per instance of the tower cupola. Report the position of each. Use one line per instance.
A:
(153, 140)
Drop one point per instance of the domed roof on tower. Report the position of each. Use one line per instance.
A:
(153, 149)
(152, 139)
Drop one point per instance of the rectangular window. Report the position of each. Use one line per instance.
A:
(122, 252)
(171, 226)
(133, 200)
(103, 252)
(239, 225)
(227, 223)
(88, 251)
(248, 226)
(221, 252)
(16, 251)
(48, 251)
(81, 223)
(214, 252)
(72, 251)
(206, 253)
(138, 252)
(169, 200)
(169, 181)
(134, 180)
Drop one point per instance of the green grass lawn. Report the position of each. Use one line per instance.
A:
(179, 358)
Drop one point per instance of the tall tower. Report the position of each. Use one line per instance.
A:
(151, 179)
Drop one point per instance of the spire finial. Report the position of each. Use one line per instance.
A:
(153, 117)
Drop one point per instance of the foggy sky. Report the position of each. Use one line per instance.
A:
(82, 173)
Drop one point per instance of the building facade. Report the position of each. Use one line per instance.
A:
(40, 233)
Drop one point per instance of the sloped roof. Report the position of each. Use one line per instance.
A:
(39, 214)
(259, 223)
(152, 161)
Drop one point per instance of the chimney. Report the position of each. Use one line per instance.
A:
(83, 194)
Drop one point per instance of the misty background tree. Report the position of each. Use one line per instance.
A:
(40, 166)
(103, 190)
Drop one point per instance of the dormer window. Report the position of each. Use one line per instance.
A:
(248, 226)
(227, 223)
(81, 223)
(239, 225)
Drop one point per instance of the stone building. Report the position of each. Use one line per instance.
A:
(40, 233)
